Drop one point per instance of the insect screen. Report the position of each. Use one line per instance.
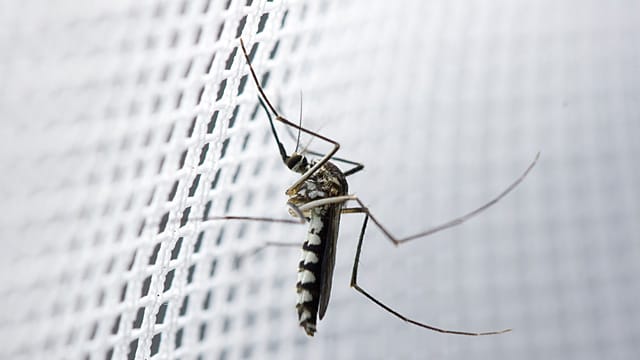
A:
(127, 125)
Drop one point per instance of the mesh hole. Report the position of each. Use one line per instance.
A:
(175, 252)
(262, 23)
(133, 347)
(174, 190)
(190, 274)
(146, 284)
(194, 185)
(184, 306)
(116, 325)
(210, 64)
(162, 311)
(155, 343)
(202, 331)
(241, 25)
(168, 280)
(179, 335)
(137, 323)
(185, 216)
(221, 86)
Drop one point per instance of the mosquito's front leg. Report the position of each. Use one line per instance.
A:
(356, 165)
(272, 110)
(319, 164)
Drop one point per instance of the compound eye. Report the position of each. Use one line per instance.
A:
(293, 160)
(297, 162)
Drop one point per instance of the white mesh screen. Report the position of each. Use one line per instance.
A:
(125, 123)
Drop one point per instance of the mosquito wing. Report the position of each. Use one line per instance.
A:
(332, 219)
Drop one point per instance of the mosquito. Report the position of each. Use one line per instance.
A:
(319, 197)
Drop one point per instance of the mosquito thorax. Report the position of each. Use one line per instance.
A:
(297, 163)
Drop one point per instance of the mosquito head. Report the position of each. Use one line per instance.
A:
(297, 163)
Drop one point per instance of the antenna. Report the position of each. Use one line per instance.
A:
(299, 123)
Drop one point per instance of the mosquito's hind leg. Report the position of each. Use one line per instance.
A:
(354, 284)
(363, 209)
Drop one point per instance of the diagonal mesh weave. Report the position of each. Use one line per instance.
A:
(124, 124)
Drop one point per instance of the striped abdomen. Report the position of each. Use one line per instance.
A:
(315, 270)
(309, 272)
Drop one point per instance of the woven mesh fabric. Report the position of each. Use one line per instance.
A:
(124, 124)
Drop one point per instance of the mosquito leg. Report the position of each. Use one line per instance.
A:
(275, 244)
(354, 284)
(356, 165)
(319, 164)
(256, 218)
(283, 244)
(326, 201)
(283, 120)
(451, 223)
(300, 220)
(264, 219)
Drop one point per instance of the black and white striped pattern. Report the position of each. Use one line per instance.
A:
(309, 271)
(315, 270)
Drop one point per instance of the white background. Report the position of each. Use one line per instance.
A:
(105, 113)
